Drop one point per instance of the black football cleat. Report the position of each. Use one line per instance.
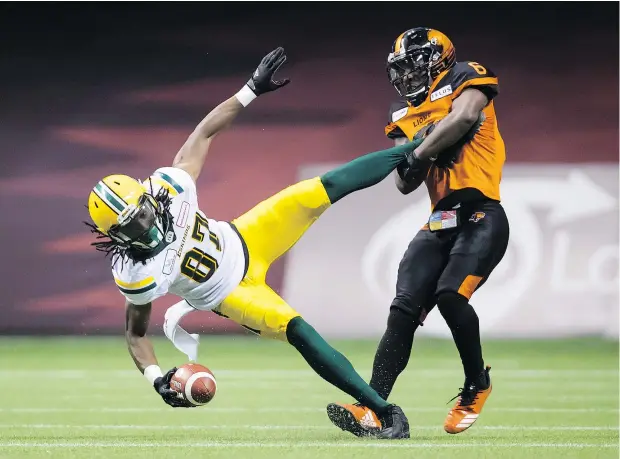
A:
(394, 424)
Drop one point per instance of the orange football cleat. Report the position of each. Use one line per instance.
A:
(357, 419)
(469, 404)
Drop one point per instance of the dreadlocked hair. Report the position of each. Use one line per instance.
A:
(123, 251)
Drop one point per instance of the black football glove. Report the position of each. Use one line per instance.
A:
(412, 166)
(171, 397)
(262, 80)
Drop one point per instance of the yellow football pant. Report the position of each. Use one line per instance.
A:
(269, 230)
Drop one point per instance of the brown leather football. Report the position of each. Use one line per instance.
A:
(195, 382)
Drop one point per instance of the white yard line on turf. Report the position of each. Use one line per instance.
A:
(76, 373)
(581, 399)
(285, 410)
(283, 427)
(361, 444)
(608, 394)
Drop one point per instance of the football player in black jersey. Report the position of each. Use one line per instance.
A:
(449, 105)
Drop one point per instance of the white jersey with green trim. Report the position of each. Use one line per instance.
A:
(204, 263)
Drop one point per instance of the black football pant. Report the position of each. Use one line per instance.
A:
(442, 268)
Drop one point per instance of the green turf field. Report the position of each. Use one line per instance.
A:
(82, 397)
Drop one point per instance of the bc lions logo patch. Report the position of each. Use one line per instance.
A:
(477, 216)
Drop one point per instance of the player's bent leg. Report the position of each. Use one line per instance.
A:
(478, 249)
(363, 172)
(273, 226)
(334, 367)
(390, 360)
(276, 224)
(463, 323)
(394, 351)
(385, 420)
(259, 309)
(418, 272)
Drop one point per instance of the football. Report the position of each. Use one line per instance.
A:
(195, 383)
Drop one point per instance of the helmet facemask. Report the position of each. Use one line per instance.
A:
(143, 230)
(141, 227)
(410, 73)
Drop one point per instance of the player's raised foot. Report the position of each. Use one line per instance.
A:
(357, 419)
(469, 403)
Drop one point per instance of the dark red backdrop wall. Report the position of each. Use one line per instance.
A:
(116, 89)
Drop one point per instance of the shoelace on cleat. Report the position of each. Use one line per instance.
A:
(467, 396)
(469, 393)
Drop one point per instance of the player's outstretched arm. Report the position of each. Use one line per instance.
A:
(141, 351)
(140, 348)
(465, 112)
(192, 155)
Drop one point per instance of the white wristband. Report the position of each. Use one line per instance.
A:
(152, 372)
(245, 95)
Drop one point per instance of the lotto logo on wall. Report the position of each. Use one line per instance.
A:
(559, 276)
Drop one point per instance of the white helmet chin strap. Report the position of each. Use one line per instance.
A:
(411, 95)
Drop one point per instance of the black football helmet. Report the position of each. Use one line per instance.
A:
(418, 56)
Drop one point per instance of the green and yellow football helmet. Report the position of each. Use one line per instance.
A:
(123, 209)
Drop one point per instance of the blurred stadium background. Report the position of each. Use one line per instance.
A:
(90, 90)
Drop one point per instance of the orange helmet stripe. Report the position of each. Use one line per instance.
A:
(398, 42)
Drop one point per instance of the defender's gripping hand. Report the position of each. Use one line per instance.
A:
(412, 166)
(446, 158)
(171, 397)
(262, 80)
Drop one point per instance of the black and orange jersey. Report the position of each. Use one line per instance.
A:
(478, 169)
